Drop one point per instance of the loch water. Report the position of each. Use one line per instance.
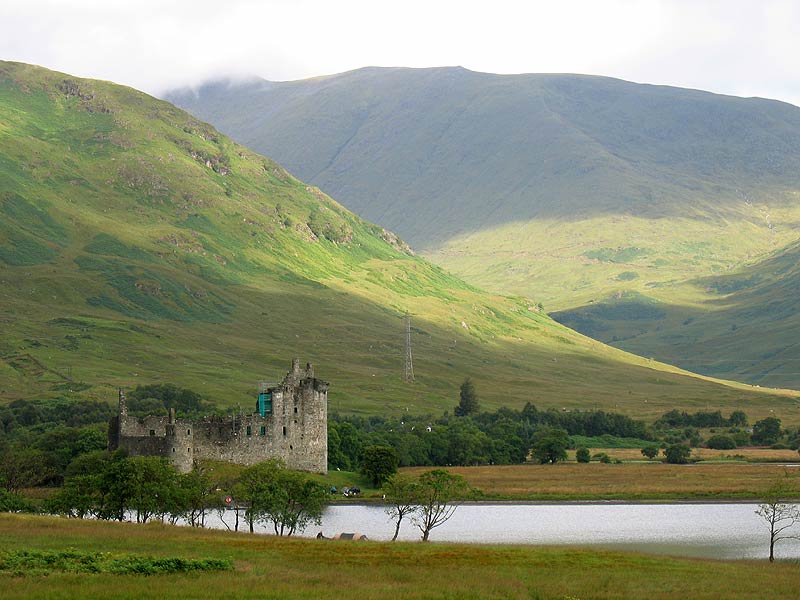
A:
(711, 530)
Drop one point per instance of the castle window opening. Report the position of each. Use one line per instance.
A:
(263, 430)
(295, 410)
(284, 430)
(249, 431)
(188, 432)
(152, 432)
(173, 449)
(188, 451)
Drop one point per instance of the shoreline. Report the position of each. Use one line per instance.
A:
(593, 502)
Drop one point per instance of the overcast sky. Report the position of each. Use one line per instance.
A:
(740, 47)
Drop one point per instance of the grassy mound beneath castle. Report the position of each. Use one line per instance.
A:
(270, 567)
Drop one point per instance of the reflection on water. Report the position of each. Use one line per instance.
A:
(706, 530)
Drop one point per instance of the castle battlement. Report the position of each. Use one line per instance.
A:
(290, 422)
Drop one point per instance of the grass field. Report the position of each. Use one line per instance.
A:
(269, 567)
(755, 455)
(630, 481)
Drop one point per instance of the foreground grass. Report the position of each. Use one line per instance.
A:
(630, 481)
(269, 567)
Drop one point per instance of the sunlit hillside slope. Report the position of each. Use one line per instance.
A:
(140, 245)
(577, 190)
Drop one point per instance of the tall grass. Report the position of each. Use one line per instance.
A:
(270, 567)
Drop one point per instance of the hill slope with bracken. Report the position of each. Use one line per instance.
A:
(578, 190)
(140, 245)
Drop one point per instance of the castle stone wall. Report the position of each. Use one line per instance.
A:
(296, 431)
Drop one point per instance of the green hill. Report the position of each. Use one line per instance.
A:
(758, 304)
(575, 190)
(139, 245)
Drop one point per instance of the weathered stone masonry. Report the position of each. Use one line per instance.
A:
(290, 422)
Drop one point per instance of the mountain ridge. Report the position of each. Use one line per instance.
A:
(543, 184)
(140, 245)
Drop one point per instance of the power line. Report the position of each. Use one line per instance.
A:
(409, 370)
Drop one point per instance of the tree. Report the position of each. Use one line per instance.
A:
(24, 468)
(468, 403)
(296, 501)
(582, 455)
(678, 454)
(650, 451)
(550, 445)
(155, 482)
(81, 495)
(401, 494)
(194, 494)
(738, 419)
(116, 486)
(379, 463)
(721, 442)
(766, 431)
(255, 489)
(15, 503)
(437, 493)
(779, 513)
(288, 499)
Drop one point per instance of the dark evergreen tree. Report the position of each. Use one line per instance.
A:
(468, 403)
(379, 463)
(766, 431)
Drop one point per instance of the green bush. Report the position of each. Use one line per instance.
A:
(650, 451)
(603, 458)
(721, 442)
(15, 503)
(44, 562)
(678, 454)
(582, 455)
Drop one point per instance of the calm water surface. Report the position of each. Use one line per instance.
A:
(705, 530)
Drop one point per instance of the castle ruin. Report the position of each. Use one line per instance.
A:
(290, 423)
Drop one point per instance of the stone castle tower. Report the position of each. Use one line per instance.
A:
(290, 422)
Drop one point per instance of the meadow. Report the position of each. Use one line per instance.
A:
(628, 481)
(271, 567)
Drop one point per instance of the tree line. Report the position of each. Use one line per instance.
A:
(501, 437)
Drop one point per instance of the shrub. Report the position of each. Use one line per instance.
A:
(766, 431)
(650, 451)
(603, 458)
(15, 503)
(721, 442)
(582, 455)
(44, 562)
(678, 454)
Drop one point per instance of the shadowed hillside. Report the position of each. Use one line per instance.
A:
(758, 303)
(139, 245)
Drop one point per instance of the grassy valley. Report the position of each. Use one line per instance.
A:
(611, 203)
(139, 245)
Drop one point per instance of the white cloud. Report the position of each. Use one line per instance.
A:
(747, 47)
